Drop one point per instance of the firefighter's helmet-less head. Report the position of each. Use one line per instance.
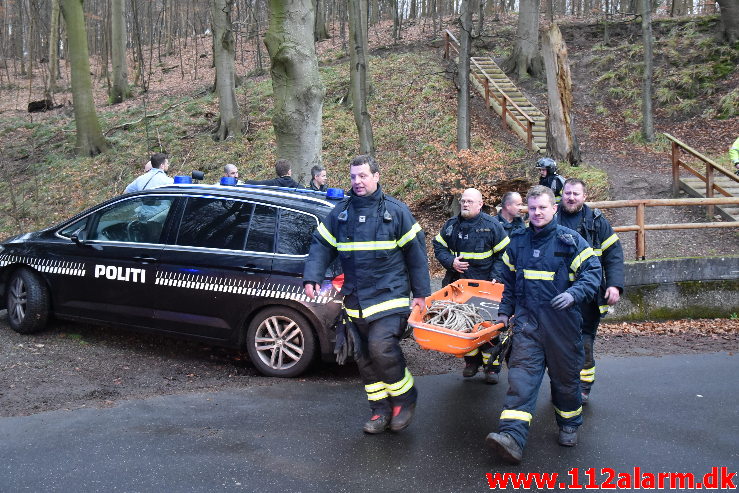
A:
(547, 163)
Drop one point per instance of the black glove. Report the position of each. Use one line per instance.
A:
(502, 319)
(341, 347)
(562, 301)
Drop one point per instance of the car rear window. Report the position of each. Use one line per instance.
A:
(215, 223)
(295, 232)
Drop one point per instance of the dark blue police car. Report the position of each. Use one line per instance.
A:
(219, 264)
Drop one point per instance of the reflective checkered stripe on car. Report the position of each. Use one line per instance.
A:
(238, 286)
(46, 265)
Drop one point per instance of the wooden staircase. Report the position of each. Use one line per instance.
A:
(509, 102)
(503, 96)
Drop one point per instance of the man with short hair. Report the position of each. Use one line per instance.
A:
(383, 257)
(551, 271)
(510, 212)
(155, 177)
(470, 246)
(283, 169)
(592, 225)
(231, 171)
(318, 178)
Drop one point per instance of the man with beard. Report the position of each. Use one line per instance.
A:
(551, 271)
(595, 228)
(470, 246)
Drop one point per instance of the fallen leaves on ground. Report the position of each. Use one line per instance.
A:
(711, 326)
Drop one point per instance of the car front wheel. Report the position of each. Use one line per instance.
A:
(27, 299)
(280, 342)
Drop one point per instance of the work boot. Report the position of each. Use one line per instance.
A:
(470, 369)
(491, 377)
(402, 416)
(505, 447)
(376, 424)
(567, 436)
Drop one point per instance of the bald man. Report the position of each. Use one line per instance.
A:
(470, 246)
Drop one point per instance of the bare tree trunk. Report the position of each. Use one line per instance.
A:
(320, 32)
(90, 140)
(647, 117)
(358, 74)
(119, 88)
(463, 95)
(298, 92)
(53, 50)
(525, 58)
(729, 20)
(562, 142)
(229, 121)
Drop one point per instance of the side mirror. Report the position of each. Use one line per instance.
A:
(79, 238)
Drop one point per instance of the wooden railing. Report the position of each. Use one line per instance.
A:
(641, 227)
(709, 177)
(503, 100)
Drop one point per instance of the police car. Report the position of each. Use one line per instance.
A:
(219, 264)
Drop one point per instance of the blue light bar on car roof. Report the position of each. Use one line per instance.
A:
(229, 180)
(182, 179)
(335, 193)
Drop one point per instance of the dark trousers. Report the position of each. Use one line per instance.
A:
(551, 341)
(382, 365)
(590, 320)
(481, 356)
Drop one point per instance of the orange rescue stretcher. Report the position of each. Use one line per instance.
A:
(482, 294)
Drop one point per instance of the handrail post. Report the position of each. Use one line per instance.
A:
(641, 244)
(709, 188)
(447, 41)
(675, 169)
(530, 135)
(504, 107)
(487, 91)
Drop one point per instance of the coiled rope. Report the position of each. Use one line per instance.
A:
(456, 316)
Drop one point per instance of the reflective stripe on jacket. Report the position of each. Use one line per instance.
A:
(597, 231)
(481, 241)
(383, 260)
(541, 265)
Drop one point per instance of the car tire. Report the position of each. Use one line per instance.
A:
(27, 299)
(280, 342)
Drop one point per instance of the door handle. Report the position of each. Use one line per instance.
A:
(252, 268)
(145, 260)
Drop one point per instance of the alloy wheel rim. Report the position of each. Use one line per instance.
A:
(279, 342)
(18, 300)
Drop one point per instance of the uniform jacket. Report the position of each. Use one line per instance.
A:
(555, 182)
(509, 227)
(541, 265)
(382, 259)
(734, 152)
(481, 241)
(597, 231)
(312, 186)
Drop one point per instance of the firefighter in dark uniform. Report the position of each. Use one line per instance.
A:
(510, 212)
(383, 256)
(551, 271)
(549, 177)
(470, 246)
(597, 231)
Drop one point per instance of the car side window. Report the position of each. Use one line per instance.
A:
(294, 232)
(215, 223)
(261, 235)
(138, 220)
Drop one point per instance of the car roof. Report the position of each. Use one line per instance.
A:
(296, 197)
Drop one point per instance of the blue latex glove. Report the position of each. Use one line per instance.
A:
(502, 319)
(562, 301)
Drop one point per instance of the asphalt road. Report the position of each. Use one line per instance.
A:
(674, 413)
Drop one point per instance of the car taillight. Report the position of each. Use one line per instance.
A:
(338, 282)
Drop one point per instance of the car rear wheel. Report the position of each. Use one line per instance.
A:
(27, 299)
(280, 342)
